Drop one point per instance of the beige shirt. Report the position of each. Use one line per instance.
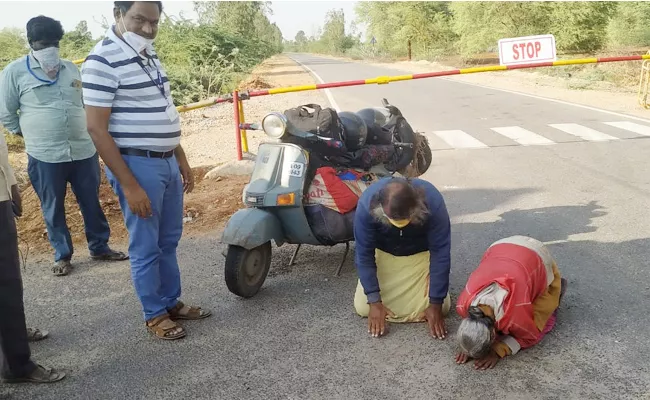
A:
(7, 178)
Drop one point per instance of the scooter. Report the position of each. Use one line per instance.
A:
(274, 197)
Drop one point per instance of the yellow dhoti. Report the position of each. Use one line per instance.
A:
(404, 285)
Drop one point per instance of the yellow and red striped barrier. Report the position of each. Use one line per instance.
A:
(382, 80)
(238, 97)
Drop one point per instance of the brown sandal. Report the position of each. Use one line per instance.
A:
(162, 326)
(181, 311)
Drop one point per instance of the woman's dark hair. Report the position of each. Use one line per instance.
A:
(125, 6)
(44, 28)
(476, 314)
(399, 198)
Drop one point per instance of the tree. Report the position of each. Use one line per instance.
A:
(333, 37)
(13, 44)
(580, 26)
(237, 17)
(77, 43)
(426, 24)
(629, 24)
(480, 25)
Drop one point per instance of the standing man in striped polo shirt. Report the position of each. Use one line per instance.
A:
(136, 129)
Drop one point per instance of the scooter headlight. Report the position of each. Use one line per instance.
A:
(274, 125)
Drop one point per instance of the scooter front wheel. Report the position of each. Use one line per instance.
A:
(246, 270)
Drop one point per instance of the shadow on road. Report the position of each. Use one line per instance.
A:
(461, 202)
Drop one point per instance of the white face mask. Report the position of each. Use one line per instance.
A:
(134, 40)
(49, 60)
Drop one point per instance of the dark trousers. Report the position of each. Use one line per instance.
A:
(50, 182)
(14, 349)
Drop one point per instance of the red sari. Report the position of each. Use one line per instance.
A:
(523, 274)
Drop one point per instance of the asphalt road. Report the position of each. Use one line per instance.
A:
(300, 339)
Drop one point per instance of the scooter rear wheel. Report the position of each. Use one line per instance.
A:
(246, 270)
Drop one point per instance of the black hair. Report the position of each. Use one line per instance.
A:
(125, 6)
(399, 198)
(44, 28)
(476, 314)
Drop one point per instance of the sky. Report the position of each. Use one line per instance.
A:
(290, 16)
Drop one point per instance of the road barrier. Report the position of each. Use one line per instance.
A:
(238, 97)
(644, 83)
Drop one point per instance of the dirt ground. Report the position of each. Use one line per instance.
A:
(207, 208)
(208, 139)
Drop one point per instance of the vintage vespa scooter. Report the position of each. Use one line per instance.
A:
(275, 211)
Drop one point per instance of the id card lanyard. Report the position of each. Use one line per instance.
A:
(170, 110)
(159, 83)
(48, 83)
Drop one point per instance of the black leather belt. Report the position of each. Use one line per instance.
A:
(146, 153)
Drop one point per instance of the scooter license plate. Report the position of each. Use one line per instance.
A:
(296, 169)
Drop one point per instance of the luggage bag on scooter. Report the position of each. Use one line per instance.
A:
(328, 226)
(320, 121)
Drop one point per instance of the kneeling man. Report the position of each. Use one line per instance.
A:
(403, 241)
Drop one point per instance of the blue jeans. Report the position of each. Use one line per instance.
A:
(50, 182)
(153, 240)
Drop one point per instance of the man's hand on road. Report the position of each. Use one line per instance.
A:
(436, 321)
(138, 200)
(17, 200)
(377, 325)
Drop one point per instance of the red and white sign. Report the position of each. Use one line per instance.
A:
(527, 50)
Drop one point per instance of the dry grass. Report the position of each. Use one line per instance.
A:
(14, 142)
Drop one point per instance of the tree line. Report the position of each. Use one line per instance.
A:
(203, 59)
(443, 28)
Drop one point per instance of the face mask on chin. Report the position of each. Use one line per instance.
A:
(137, 42)
(49, 60)
(397, 223)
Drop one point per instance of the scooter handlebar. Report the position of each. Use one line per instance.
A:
(250, 127)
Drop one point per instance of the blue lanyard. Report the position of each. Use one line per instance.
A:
(49, 83)
(160, 84)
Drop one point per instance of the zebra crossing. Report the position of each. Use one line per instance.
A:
(548, 135)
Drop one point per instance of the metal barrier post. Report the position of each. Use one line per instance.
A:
(235, 102)
(644, 82)
(242, 120)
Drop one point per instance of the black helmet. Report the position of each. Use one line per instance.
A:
(372, 116)
(354, 129)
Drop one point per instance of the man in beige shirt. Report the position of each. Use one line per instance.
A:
(15, 356)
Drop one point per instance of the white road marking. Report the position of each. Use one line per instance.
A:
(631, 126)
(460, 140)
(328, 93)
(583, 132)
(522, 136)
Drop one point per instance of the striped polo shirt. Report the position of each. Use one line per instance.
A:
(112, 77)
